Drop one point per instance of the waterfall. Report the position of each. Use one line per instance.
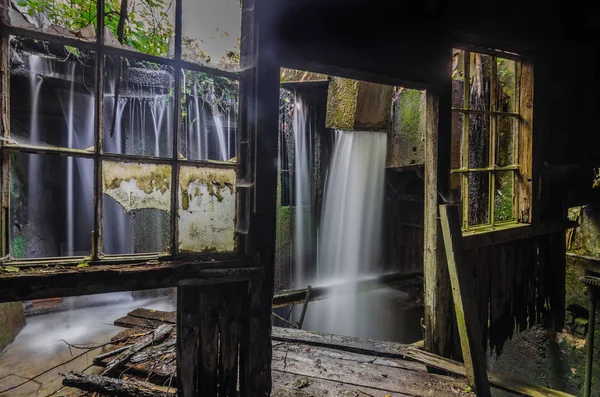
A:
(221, 135)
(349, 238)
(70, 160)
(303, 228)
(34, 169)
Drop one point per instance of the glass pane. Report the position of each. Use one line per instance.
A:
(458, 77)
(506, 70)
(135, 207)
(73, 19)
(506, 135)
(503, 199)
(149, 26)
(138, 108)
(206, 209)
(51, 205)
(211, 32)
(479, 140)
(51, 102)
(479, 194)
(480, 75)
(209, 122)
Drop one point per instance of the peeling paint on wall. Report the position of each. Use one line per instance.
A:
(206, 209)
(136, 186)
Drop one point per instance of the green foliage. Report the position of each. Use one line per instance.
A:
(148, 28)
(18, 246)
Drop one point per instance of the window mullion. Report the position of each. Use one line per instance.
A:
(98, 133)
(174, 224)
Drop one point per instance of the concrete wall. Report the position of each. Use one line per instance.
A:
(11, 322)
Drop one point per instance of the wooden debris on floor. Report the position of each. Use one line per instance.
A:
(305, 364)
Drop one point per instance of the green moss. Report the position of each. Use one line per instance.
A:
(341, 103)
(148, 178)
(185, 200)
(18, 246)
(410, 114)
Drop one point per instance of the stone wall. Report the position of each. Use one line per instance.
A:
(11, 322)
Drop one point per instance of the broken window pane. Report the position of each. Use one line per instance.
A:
(507, 70)
(51, 102)
(72, 19)
(479, 140)
(480, 76)
(458, 79)
(138, 108)
(506, 134)
(479, 193)
(206, 209)
(209, 123)
(135, 207)
(211, 32)
(503, 200)
(149, 26)
(50, 216)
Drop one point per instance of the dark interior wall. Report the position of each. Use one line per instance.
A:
(402, 41)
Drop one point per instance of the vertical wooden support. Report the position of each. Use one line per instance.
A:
(438, 298)
(188, 340)
(4, 124)
(464, 303)
(260, 94)
(527, 190)
(210, 321)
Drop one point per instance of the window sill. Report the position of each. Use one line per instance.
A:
(508, 233)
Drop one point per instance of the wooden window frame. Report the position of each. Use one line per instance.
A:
(101, 48)
(521, 168)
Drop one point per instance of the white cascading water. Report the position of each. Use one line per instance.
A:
(33, 185)
(303, 211)
(349, 245)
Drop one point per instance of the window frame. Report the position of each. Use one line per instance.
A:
(102, 49)
(521, 166)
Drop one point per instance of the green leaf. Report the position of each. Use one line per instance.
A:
(82, 265)
(22, 3)
(11, 269)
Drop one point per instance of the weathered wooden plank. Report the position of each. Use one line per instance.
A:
(232, 297)
(155, 337)
(525, 177)
(60, 280)
(136, 322)
(316, 352)
(506, 234)
(437, 296)
(290, 385)
(116, 387)
(464, 304)
(210, 307)
(345, 343)
(165, 317)
(414, 383)
(294, 297)
(496, 380)
(188, 341)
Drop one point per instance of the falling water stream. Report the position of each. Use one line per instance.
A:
(350, 233)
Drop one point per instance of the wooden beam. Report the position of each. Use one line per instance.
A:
(41, 283)
(513, 232)
(464, 305)
(286, 298)
(345, 343)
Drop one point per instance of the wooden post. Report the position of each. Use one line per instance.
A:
(464, 305)
(438, 299)
(259, 97)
